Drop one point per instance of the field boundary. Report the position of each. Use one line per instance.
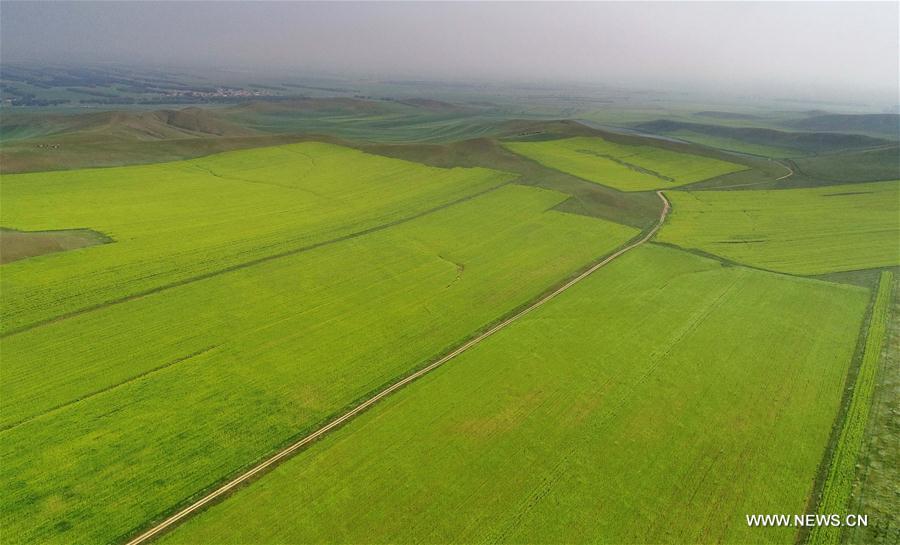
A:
(848, 434)
(284, 453)
(251, 263)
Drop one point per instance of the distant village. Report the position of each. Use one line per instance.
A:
(221, 92)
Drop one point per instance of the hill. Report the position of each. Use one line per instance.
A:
(881, 124)
(129, 125)
(803, 142)
(725, 115)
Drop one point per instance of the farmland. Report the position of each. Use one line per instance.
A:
(544, 433)
(873, 489)
(209, 371)
(168, 327)
(841, 472)
(800, 231)
(623, 167)
(176, 221)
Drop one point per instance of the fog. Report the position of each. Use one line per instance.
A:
(810, 49)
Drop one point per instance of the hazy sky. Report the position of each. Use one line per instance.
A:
(811, 49)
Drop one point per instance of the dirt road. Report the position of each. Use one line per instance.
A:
(789, 169)
(281, 455)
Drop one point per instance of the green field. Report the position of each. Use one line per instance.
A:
(853, 166)
(842, 470)
(176, 221)
(167, 326)
(624, 167)
(156, 398)
(874, 488)
(363, 120)
(732, 144)
(800, 231)
(660, 400)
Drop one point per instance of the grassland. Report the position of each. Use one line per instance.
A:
(624, 167)
(732, 144)
(798, 143)
(369, 120)
(853, 166)
(843, 468)
(175, 221)
(649, 403)
(800, 231)
(53, 141)
(154, 399)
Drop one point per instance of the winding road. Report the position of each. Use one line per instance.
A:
(789, 169)
(286, 452)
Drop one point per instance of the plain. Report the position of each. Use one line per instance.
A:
(660, 400)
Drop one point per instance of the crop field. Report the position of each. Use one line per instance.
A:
(174, 221)
(800, 231)
(449, 274)
(660, 400)
(874, 488)
(158, 397)
(623, 167)
(839, 479)
(168, 327)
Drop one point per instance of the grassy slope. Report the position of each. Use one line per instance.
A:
(628, 168)
(86, 140)
(182, 388)
(659, 401)
(179, 220)
(840, 474)
(879, 124)
(802, 231)
(41, 141)
(799, 142)
(84, 151)
(732, 144)
(635, 209)
(852, 166)
(364, 120)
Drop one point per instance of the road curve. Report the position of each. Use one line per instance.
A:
(284, 453)
(789, 169)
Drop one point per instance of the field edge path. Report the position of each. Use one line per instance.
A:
(286, 452)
